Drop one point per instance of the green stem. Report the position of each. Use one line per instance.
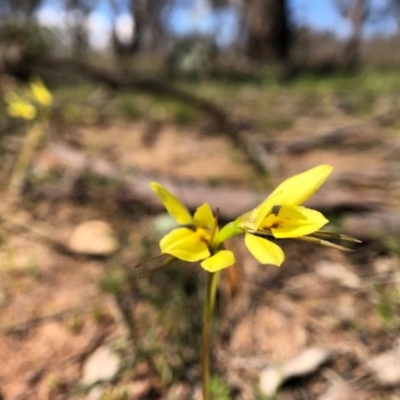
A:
(209, 303)
(29, 147)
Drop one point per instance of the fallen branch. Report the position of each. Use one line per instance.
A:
(231, 200)
(224, 121)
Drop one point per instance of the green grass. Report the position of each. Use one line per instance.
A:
(262, 99)
(391, 244)
(274, 105)
(144, 107)
(219, 389)
(388, 304)
(74, 93)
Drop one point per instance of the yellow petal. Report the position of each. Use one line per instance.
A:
(251, 221)
(185, 244)
(299, 188)
(40, 92)
(203, 217)
(264, 251)
(22, 110)
(221, 260)
(264, 209)
(174, 207)
(296, 221)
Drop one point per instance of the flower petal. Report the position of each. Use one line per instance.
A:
(250, 221)
(40, 92)
(259, 213)
(203, 217)
(296, 221)
(185, 244)
(174, 207)
(264, 251)
(298, 188)
(22, 110)
(221, 260)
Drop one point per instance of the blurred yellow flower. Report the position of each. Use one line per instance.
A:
(40, 92)
(282, 217)
(196, 240)
(29, 107)
(19, 107)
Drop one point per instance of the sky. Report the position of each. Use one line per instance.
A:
(320, 15)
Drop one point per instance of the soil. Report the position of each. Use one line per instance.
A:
(58, 307)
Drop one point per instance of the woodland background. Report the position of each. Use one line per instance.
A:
(219, 114)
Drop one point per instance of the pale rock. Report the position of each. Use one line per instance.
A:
(386, 367)
(341, 391)
(338, 272)
(306, 362)
(96, 393)
(93, 238)
(270, 380)
(102, 365)
(303, 364)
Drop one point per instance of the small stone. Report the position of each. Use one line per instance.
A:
(96, 393)
(305, 363)
(94, 238)
(308, 361)
(270, 380)
(386, 367)
(341, 391)
(102, 365)
(337, 271)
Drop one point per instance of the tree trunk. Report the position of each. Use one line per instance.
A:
(357, 14)
(267, 29)
(148, 25)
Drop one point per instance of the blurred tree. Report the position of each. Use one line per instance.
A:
(22, 7)
(78, 12)
(393, 9)
(148, 24)
(22, 39)
(193, 56)
(264, 25)
(216, 4)
(356, 12)
(149, 27)
(265, 28)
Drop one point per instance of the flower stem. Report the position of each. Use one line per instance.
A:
(209, 302)
(29, 147)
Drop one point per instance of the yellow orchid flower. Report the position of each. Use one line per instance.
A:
(19, 107)
(281, 216)
(30, 106)
(40, 92)
(196, 239)
(22, 110)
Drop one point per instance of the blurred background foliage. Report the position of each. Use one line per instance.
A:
(239, 35)
(151, 46)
